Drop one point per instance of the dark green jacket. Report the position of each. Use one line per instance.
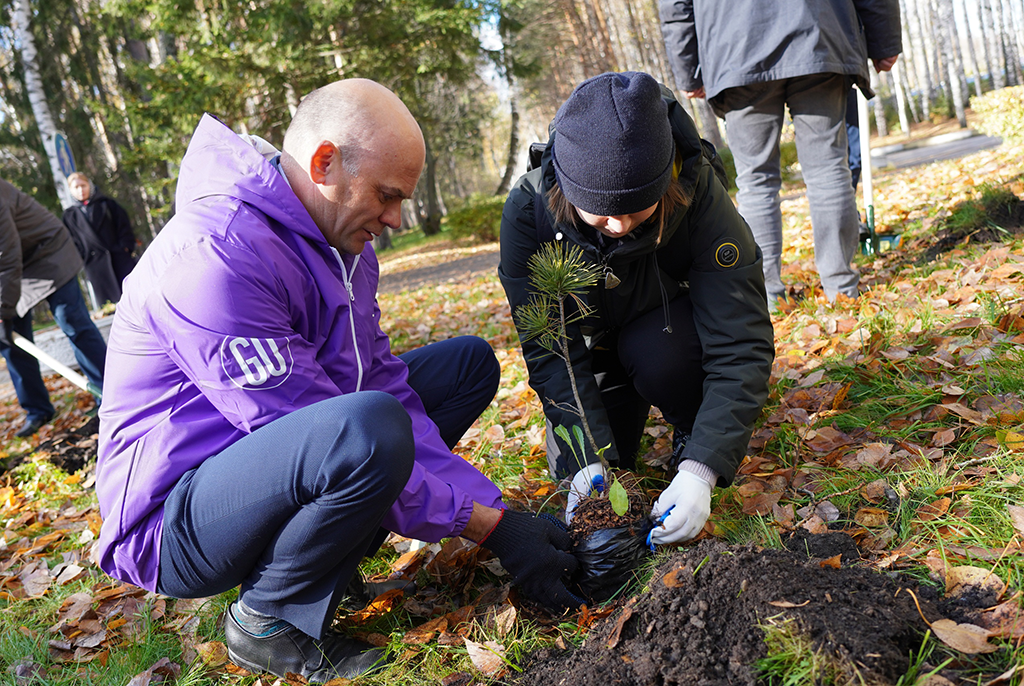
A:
(706, 247)
(37, 255)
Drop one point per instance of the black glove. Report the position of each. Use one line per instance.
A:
(7, 337)
(534, 550)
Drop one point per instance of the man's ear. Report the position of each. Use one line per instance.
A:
(320, 163)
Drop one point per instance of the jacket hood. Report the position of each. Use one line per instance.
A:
(690, 152)
(242, 173)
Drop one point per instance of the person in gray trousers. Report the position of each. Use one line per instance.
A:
(751, 59)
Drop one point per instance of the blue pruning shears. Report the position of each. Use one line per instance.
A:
(658, 522)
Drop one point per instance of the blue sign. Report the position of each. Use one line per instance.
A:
(64, 157)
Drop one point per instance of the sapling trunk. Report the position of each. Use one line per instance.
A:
(563, 343)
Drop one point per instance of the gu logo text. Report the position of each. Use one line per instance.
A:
(256, 364)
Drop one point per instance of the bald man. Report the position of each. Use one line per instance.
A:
(256, 430)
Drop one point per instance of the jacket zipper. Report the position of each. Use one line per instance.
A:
(346, 279)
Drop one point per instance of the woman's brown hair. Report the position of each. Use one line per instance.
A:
(675, 197)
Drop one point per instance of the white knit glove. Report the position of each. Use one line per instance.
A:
(685, 505)
(589, 479)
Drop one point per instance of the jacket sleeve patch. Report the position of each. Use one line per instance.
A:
(727, 254)
(256, 364)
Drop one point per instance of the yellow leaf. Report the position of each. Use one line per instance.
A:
(1011, 440)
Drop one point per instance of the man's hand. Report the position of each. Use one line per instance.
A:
(534, 550)
(884, 64)
(586, 481)
(682, 508)
(7, 333)
(699, 93)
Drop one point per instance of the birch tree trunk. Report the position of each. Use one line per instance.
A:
(986, 39)
(881, 126)
(928, 85)
(948, 39)
(37, 96)
(970, 49)
(1012, 44)
(993, 44)
(901, 105)
(708, 122)
(910, 61)
(513, 141)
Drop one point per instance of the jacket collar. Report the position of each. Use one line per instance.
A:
(219, 162)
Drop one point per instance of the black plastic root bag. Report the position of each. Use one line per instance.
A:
(607, 559)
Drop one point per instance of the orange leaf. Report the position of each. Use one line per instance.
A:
(835, 562)
(932, 511)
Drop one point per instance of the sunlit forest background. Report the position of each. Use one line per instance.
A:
(126, 81)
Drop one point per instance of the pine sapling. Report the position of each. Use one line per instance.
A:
(559, 277)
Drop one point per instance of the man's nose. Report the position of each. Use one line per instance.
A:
(392, 216)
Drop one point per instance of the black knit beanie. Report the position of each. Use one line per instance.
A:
(613, 148)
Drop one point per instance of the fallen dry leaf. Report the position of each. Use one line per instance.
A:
(213, 653)
(967, 638)
(488, 657)
(964, 578)
(1006, 676)
(505, 620)
(675, 578)
(932, 511)
(1017, 517)
(871, 517)
(835, 562)
(616, 633)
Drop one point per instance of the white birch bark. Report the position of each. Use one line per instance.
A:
(947, 39)
(993, 44)
(971, 53)
(20, 19)
(881, 126)
(901, 105)
(928, 85)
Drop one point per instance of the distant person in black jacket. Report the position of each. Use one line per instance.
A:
(103, 235)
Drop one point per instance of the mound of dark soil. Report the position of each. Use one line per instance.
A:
(698, 623)
(1003, 220)
(69, 450)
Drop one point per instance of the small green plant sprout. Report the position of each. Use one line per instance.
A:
(559, 277)
(616, 492)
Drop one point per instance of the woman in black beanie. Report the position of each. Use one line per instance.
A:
(679, 320)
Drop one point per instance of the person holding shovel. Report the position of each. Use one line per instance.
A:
(678, 318)
(257, 431)
(38, 261)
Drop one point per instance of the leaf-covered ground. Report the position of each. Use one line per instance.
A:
(896, 418)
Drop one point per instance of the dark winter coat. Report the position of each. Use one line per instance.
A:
(103, 235)
(707, 248)
(37, 255)
(721, 44)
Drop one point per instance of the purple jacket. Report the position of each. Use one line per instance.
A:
(239, 313)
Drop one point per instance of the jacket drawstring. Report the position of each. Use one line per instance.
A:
(664, 296)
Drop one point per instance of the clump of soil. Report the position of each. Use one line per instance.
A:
(594, 514)
(698, 624)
